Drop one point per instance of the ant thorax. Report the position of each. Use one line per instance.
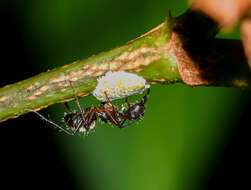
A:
(109, 113)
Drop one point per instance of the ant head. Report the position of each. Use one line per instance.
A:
(75, 121)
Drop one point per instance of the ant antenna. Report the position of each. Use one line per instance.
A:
(51, 122)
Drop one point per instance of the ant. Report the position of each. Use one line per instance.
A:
(85, 120)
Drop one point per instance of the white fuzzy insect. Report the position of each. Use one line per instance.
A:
(117, 85)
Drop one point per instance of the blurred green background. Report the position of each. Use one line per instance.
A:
(184, 131)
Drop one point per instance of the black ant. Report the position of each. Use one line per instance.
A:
(84, 120)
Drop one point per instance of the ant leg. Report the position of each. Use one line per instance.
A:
(123, 111)
(127, 102)
(87, 122)
(68, 107)
(113, 119)
(127, 124)
(144, 99)
(76, 98)
(52, 123)
(122, 123)
(91, 118)
(78, 127)
(114, 111)
(78, 104)
(108, 100)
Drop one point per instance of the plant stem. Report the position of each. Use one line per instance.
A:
(148, 56)
(166, 54)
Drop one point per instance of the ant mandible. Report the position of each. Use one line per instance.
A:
(85, 120)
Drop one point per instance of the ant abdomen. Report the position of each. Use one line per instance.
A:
(136, 112)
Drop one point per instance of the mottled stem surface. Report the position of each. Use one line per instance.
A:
(174, 51)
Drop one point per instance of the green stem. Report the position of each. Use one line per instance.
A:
(147, 56)
(163, 55)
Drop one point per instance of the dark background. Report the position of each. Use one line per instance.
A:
(36, 156)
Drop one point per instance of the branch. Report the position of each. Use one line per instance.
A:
(171, 52)
(204, 60)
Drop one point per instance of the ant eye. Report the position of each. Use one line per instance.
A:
(117, 85)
